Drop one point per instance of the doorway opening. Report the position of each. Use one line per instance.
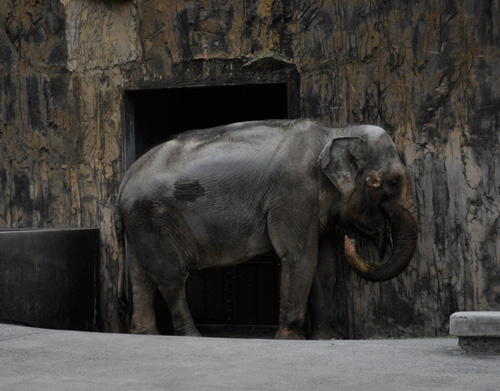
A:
(241, 300)
(155, 115)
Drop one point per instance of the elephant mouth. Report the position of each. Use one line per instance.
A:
(395, 245)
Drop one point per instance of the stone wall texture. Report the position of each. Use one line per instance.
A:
(427, 71)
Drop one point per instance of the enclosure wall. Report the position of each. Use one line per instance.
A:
(427, 71)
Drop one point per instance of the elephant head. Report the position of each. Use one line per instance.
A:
(376, 199)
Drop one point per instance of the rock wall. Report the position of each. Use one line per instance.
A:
(427, 71)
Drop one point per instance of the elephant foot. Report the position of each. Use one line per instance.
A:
(138, 327)
(320, 334)
(189, 333)
(144, 330)
(289, 334)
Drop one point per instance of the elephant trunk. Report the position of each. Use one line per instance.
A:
(404, 239)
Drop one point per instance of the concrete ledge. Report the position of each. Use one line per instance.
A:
(478, 332)
(475, 324)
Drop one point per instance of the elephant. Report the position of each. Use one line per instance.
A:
(222, 196)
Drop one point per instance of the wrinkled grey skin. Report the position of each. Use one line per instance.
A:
(222, 196)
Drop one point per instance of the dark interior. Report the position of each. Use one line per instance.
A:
(161, 113)
(239, 300)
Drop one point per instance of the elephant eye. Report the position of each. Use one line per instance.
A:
(394, 183)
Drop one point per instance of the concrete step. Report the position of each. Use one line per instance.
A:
(478, 332)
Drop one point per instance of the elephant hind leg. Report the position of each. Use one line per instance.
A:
(175, 296)
(143, 295)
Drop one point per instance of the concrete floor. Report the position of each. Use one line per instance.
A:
(38, 359)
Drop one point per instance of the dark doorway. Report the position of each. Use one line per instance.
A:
(161, 113)
(242, 299)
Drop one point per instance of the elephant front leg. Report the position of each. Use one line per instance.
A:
(294, 237)
(296, 279)
(298, 256)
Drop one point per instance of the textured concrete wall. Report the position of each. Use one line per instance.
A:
(427, 71)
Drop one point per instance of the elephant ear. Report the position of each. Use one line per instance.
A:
(341, 160)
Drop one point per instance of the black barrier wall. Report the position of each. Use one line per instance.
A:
(48, 278)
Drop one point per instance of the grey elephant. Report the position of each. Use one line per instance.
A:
(221, 196)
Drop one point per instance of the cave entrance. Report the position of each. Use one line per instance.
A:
(242, 299)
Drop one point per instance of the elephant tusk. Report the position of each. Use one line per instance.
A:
(353, 258)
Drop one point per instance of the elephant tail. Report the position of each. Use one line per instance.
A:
(122, 270)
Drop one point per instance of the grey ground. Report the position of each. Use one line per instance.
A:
(37, 359)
